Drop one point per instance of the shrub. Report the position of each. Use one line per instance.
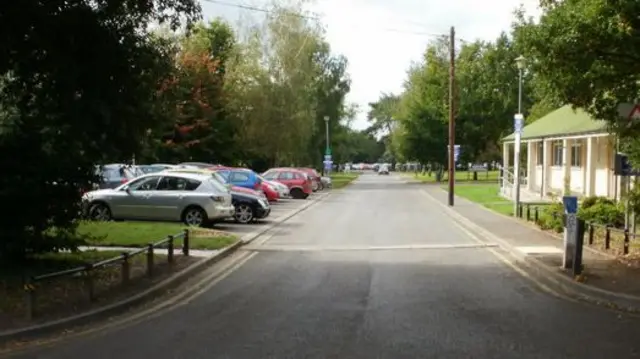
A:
(602, 210)
(551, 217)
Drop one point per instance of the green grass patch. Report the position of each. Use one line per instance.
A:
(138, 234)
(340, 180)
(485, 194)
(460, 176)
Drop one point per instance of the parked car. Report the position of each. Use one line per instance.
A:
(202, 165)
(299, 183)
(383, 169)
(315, 177)
(249, 205)
(280, 188)
(151, 168)
(241, 177)
(115, 174)
(326, 182)
(249, 208)
(194, 199)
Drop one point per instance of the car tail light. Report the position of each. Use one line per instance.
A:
(217, 199)
(124, 180)
(257, 186)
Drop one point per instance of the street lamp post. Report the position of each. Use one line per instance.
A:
(327, 151)
(518, 124)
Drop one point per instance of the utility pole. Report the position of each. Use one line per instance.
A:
(452, 125)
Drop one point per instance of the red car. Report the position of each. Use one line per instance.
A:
(299, 183)
(315, 177)
(272, 194)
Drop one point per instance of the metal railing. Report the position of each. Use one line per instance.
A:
(531, 212)
(87, 271)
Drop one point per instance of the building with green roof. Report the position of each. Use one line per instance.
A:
(566, 149)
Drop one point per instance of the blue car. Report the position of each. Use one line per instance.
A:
(241, 177)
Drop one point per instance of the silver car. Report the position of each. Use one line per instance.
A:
(194, 199)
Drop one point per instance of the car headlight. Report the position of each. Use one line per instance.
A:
(263, 204)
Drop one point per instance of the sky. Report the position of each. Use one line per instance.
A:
(381, 38)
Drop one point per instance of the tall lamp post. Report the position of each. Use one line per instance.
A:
(518, 124)
(327, 152)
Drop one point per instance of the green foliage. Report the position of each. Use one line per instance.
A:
(551, 217)
(602, 210)
(78, 86)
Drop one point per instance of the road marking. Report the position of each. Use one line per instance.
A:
(538, 249)
(457, 222)
(295, 248)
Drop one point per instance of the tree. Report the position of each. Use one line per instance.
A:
(202, 128)
(79, 77)
(586, 52)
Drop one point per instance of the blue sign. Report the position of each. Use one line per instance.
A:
(328, 165)
(570, 204)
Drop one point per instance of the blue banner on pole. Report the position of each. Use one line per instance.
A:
(570, 204)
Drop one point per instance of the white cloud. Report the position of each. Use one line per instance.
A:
(381, 37)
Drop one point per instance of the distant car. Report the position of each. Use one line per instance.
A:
(317, 184)
(202, 165)
(115, 174)
(326, 182)
(383, 170)
(299, 183)
(194, 199)
(151, 168)
(241, 177)
(281, 188)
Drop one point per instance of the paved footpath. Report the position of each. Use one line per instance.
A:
(374, 271)
(602, 271)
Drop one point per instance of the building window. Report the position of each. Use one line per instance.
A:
(576, 155)
(558, 156)
(540, 153)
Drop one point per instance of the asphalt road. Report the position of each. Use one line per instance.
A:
(279, 208)
(301, 296)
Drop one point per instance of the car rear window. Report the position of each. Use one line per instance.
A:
(217, 185)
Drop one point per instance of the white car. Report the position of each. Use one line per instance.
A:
(195, 199)
(383, 170)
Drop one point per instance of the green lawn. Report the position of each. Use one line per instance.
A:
(138, 234)
(461, 176)
(340, 180)
(485, 194)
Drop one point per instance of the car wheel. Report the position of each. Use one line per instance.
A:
(297, 193)
(99, 212)
(244, 214)
(195, 217)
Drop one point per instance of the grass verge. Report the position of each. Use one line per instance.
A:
(460, 176)
(341, 180)
(138, 234)
(485, 194)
